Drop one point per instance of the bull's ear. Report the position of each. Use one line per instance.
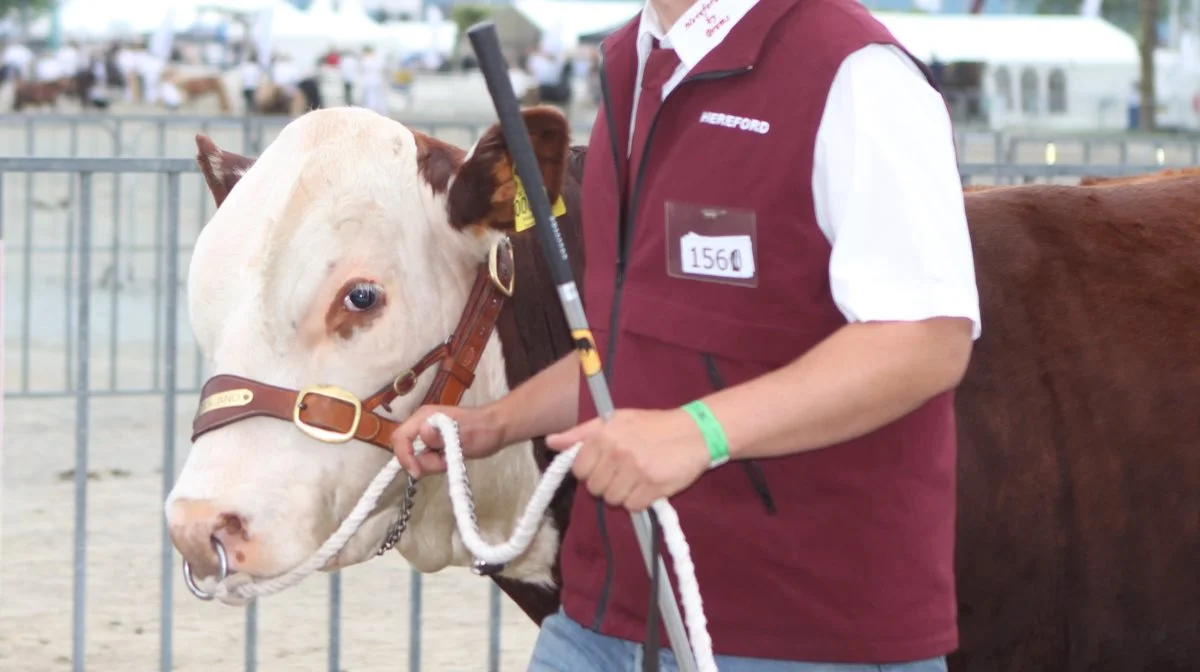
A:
(483, 189)
(221, 169)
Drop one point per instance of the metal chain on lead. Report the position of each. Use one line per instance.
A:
(400, 524)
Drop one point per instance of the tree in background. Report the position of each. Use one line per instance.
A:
(33, 6)
(1150, 15)
(25, 10)
(465, 16)
(1124, 13)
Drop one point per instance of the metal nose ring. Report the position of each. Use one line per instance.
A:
(222, 571)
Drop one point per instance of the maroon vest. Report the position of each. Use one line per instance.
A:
(840, 554)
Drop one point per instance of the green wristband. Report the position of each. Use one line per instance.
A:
(714, 436)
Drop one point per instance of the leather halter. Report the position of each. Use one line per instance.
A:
(334, 415)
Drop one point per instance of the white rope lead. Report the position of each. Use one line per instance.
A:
(238, 589)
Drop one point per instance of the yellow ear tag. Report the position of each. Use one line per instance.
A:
(523, 215)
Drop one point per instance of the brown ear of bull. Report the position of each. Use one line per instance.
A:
(221, 169)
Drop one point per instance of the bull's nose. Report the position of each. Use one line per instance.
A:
(193, 524)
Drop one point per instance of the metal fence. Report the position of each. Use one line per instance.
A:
(92, 313)
(92, 300)
(99, 134)
(96, 135)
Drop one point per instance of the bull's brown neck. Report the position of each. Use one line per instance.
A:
(333, 415)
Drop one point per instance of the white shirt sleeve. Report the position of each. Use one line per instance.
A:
(888, 196)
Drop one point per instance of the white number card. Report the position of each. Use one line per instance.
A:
(711, 244)
(718, 256)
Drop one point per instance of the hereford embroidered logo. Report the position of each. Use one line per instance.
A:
(734, 121)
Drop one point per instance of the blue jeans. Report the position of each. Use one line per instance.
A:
(565, 646)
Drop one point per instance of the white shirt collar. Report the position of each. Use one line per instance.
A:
(701, 28)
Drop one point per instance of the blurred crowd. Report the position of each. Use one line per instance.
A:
(546, 75)
(101, 74)
(98, 74)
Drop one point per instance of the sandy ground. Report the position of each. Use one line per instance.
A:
(126, 442)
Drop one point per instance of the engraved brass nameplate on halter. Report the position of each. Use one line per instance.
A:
(226, 399)
(331, 392)
(494, 266)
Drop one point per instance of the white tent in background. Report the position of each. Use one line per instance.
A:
(351, 22)
(89, 19)
(1064, 72)
(296, 24)
(321, 10)
(415, 38)
(95, 20)
(563, 21)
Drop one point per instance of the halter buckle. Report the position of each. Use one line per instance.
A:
(494, 263)
(331, 392)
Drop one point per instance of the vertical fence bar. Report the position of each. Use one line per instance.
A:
(114, 298)
(251, 638)
(27, 268)
(204, 200)
(73, 150)
(158, 259)
(335, 621)
(414, 621)
(79, 608)
(171, 337)
(493, 627)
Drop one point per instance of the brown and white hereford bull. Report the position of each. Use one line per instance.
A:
(345, 256)
(350, 248)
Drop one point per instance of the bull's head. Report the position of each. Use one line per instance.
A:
(340, 256)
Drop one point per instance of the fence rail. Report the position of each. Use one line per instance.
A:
(158, 136)
(104, 134)
(129, 286)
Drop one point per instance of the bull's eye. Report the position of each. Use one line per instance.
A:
(362, 297)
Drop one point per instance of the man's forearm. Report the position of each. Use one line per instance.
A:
(546, 403)
(862, 377)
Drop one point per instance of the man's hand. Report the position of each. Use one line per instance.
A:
(479, 431)
(636, 457)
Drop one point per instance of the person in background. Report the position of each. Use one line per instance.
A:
(97, 93)
(70, 60)
(331, 57)
(373, 81)
(150, 68)
(18, 59)
(251, 72)
(547, 71)
(285, 74)
(349, 66)
(126, 60)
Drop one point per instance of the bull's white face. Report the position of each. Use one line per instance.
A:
(332, 261)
